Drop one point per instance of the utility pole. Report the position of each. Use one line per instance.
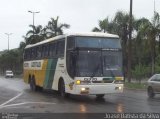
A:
(154, 6)
(130, 44)
(8, 34)
(33, 18)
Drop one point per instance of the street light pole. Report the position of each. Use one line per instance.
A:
(33, 18)
(130, 44)
(8, 34)
(154, 6)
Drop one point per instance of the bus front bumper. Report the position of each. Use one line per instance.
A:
(97, 89)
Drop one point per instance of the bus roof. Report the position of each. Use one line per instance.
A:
(96, 34)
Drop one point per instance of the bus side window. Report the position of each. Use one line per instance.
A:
(39, 52)
(50, 50)
(54, 49)
(60, 47)
(43, 51)
(36, 52)
(32, 53)
(25, 54)
(28, 54)
(70, 43)
(46, 51)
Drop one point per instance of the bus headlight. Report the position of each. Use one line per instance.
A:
(118, 88)
(83, 89)
(78, 82)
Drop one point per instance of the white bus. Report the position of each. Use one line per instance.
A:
(78, 63)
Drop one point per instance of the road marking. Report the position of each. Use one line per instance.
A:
(11, 99)
(18, 104)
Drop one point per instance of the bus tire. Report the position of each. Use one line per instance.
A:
(100, 95)
(61, 89)
(33, 86)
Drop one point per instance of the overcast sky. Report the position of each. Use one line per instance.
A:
(82, 15)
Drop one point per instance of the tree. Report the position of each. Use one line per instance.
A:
(34, 35)
(121, 20)
(12, 60)
(119, 25)
(54, 28)
(103, 26)
(141, 39)
(153, 31)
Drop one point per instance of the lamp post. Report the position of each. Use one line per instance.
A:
(130, 44)
(154, 6)
(8, 34)
(33, 18)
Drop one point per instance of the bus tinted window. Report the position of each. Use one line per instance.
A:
(60, 47)
(88, 42)
(39, 52)
(46, 50)
(70, 42)
(52, 49)
(43, 51)
(97, 42)
(32, 53)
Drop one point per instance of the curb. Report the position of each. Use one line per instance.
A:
(135, 89)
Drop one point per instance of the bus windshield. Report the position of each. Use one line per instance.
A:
(94, 56)
(99, 63)
(97, 42)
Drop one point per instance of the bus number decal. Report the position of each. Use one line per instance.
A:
(90, 79)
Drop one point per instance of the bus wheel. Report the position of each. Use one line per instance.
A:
(62, 88)
(32, 84)
(100, 95)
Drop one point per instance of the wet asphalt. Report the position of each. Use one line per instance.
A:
(16, 97)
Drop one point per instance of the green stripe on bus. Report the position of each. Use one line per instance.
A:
(50, 71)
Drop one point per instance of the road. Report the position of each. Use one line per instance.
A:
(16, 97)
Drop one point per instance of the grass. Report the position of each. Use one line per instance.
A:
(135, 85)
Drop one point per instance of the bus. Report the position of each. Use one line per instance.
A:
(76, 63)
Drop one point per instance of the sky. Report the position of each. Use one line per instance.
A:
(82, 15)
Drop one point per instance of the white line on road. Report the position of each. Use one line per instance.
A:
(11, 99)
(18, 104)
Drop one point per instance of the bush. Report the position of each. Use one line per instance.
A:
(140, 71)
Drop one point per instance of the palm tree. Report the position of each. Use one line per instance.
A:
(22, 45)
(54, 28)
(153, 33)
(34, 35)
(103, 26)
(44, 32)
(121, 21)
(141, 26)
(148, 31)
(120, 26)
